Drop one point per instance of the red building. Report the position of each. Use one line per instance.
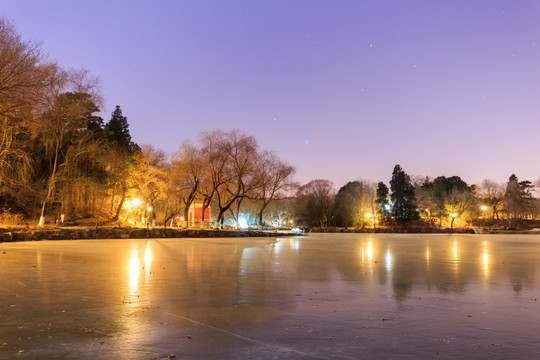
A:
(195, 216)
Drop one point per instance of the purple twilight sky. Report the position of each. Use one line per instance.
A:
(342, 90)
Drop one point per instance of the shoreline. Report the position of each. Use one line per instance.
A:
(419, 230)
(87, 233)
(91, 233)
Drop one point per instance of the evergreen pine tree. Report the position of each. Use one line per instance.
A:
(383, 202)
(403, 197)
(118, 130)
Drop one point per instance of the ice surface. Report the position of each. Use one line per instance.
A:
(330, 296)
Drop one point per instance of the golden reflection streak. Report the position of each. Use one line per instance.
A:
(370, 252)
(427, 256)
(147, 259)
(366, 254)
(134, 266)
(485, 259)
(456, 257)
(39, 260)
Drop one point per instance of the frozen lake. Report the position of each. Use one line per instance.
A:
(330, 296)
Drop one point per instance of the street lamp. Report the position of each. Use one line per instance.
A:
(453, 215)
(135, 203)
(369, 216)
(483, 208)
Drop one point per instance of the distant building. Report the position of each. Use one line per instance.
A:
(195, 216)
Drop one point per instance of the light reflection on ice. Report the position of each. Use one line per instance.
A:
(485, 259)
(147, 259)
(388, 260)
(456, 257)
(233, 284)
(134, 266)
(370, 252)
(427, 257)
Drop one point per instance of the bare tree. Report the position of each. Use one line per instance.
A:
(370, 191)
(67, 114)
(186, 176)
(241, 151)
(459, 204)
(314, 203)
(120, 169)
(492, 193)
(149, 178)
(22, 73)
(273, 177)
(215, 156)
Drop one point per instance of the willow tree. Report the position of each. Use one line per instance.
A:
(150, 177)
(216, 170)
(273, 178)
(22, 73)
(71, 108)
(185, 177)
(237, 178)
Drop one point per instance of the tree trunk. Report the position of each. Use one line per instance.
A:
(219, 219)
(236, 214)
(261, 212)
(205, 205)
(122, 199)
(50, 186)
(186, 217)
(113, 195)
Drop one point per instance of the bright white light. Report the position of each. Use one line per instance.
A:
(136, 202)
(387, 207)
(242, 222)
(388, 260)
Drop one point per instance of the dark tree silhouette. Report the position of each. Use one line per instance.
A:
(403, 200)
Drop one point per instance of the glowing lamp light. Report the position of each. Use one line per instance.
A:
(453, 215)
(369, 215)
(136, 202)
(484, 208)
(149, 208)
(242, 222)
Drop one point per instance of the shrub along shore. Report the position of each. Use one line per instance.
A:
(35, 234)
